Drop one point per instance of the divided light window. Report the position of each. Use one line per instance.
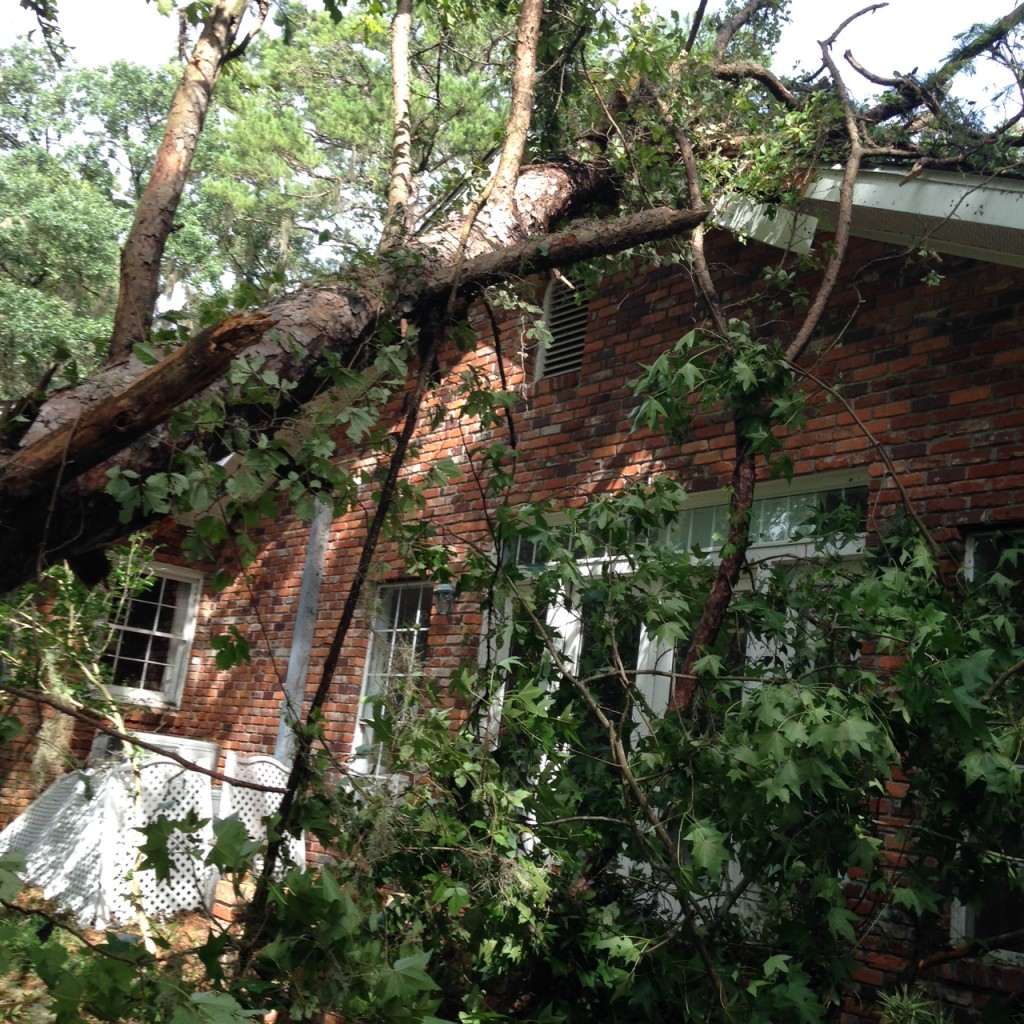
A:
(995, 562)
(394, 664)
(566, 319)
(151, 636)
(776, 518)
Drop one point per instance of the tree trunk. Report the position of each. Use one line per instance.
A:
(52, 504)
(154, 217)
(397, 220)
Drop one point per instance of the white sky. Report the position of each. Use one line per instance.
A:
(904, 34)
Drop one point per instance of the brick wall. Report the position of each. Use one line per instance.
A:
(934, 374)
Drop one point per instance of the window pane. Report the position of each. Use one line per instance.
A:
(398, 648)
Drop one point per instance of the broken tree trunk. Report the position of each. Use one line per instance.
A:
(52, 500)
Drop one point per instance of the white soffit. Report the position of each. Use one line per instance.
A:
(778, 226)
(964, 215)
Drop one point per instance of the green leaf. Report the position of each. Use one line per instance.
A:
(11, 864)
(777, 964)
(155, 848)
(216, 1008)
(841, 921)
(707, 846)
(232, 849)
(407, 977)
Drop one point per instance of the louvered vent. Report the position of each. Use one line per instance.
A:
(567, 321)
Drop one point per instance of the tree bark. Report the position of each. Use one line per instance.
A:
(52, 504)
(154, 217)
(397, 219)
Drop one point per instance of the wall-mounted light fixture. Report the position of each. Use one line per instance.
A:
(444, 596)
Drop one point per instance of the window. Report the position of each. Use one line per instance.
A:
(151, 638)
(784, 519)
(566, 319)
(997, 917)
(394, 664)
(994, 563)
(783, 513)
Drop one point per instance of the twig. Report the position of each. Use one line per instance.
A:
(828, 43)
(1001, 679)
(52, 921)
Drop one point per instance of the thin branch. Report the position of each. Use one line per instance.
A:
(971, 948)
(1000, 681)
(630, 784)
(698, 19)
(844, 215)
(741, 69)
(737, 70)
(496, 335)
(830, 42)
(52, 921)
(262, 10)
(889, 83)
(908, 505)
(96, 720)
(696, 201)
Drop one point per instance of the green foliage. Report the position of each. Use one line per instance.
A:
(591, 856)
(905, 1006)
(59, 244)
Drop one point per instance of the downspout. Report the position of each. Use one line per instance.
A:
(302, 641)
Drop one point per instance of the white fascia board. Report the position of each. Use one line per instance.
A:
(965, 215)
(979, 217)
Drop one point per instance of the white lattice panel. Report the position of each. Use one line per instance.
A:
(254, 806)
(172, 792)
(80, 840)
(61, 838)
(80, 837)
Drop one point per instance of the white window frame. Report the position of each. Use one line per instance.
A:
(179, 639)
(653, 680)
(367, 756)
(962, 919)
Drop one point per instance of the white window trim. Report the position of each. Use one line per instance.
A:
(962, 917)
(175, 675)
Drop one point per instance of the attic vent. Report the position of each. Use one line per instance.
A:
(566, 319)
